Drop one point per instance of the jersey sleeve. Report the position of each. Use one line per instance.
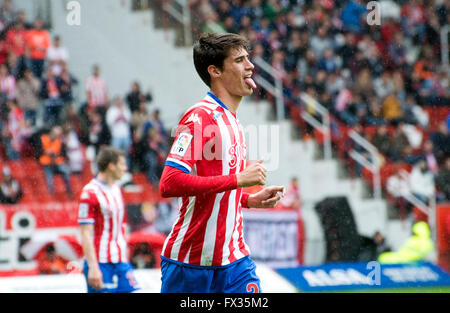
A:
(189, 141)
(86, 208)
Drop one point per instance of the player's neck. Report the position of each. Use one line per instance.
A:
(105, 178)
(230, 101)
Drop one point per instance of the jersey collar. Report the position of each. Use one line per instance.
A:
(216, 99)
(219, 102)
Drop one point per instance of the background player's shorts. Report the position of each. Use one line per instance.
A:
(237, 277)
(117, 278)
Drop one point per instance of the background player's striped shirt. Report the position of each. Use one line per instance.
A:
(102, 205)
(209, 229)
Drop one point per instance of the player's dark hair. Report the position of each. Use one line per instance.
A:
(107, 155)
(213, 49)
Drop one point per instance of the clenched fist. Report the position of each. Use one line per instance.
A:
(254, 174)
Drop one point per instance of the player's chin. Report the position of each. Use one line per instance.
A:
(247, 91)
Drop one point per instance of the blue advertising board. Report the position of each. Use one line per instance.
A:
(365, 275)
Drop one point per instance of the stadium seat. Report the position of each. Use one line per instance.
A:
(140, 179)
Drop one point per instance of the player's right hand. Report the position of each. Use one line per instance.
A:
(95, 278)
(254, 174)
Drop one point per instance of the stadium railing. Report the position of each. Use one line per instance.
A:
(322, 124)
(276, 89)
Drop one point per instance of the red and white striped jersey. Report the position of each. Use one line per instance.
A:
(98, 91)
(209, 229)
(102, 205)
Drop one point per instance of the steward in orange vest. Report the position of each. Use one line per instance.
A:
(52, 148)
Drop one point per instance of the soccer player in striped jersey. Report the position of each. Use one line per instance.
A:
(101, 218)
(206, 168)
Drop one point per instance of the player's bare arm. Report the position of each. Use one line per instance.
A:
(95, 277)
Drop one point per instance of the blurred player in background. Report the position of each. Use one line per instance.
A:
(205, 251)
(102, 221)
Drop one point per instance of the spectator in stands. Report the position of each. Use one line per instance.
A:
(384, 85)
(153, 147)
(334, 83)
(372, 247)
(348, 50)
(53, 158)
(143, 257)
(136, 96)
(38, 41)
(51, 94)
(320, 42)
(7, 86)
(398, 188)
(22, 18)
(328, 61)
(363, 84)
(428, 155)
(7, 12)
(392, 108)
(167, 213)
(97, 91)
(16, 43)
(399, 142)
(49, 263)
(352, 14)
(74, 150)
(413, 20)
(375, 61)
(139, 121)
(4, 51)
(441, 141)
(212, 24)
(374, 116)
(397, 51)
(67, 81)
(422, 182)
(27, 95)
(443, 181)
(57, 56)
(98, 134)
(352, 145)
(158, 124)
(382, 141)
(118, 119)
(10, 190)
(17, 130)
(292, 199)
(413, 113)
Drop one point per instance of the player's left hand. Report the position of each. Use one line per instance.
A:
(266, 198)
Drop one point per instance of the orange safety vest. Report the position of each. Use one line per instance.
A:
(49, 147)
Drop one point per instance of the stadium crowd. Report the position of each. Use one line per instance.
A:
(379, 80)
(41, 117)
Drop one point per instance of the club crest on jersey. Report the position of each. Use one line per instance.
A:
(182, 144)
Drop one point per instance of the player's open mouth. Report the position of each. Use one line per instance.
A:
(249, 81)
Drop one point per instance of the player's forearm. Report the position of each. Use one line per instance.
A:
(88, 247)
(175, 183)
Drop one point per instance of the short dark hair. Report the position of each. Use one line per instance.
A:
(213, 49)
(106, 155)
